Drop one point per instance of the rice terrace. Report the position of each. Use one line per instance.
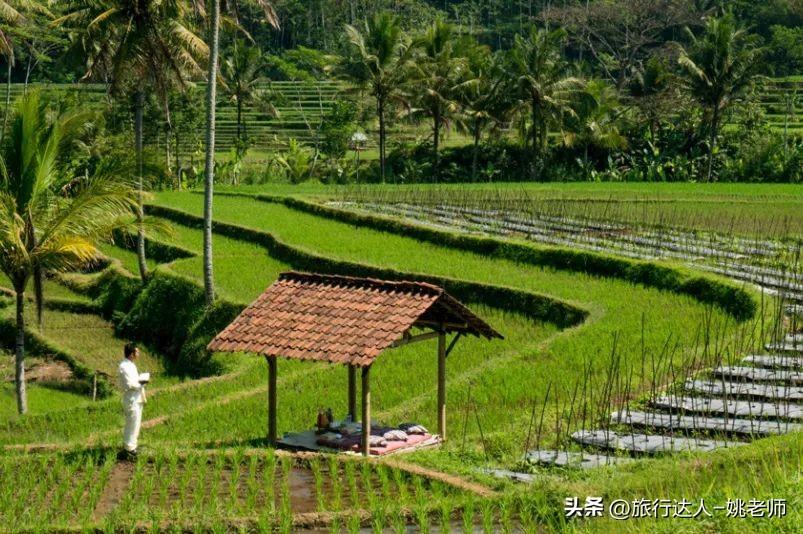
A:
(401, 266)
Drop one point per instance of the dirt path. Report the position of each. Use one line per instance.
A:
(414, 469)
(452, 480)
(113, 493)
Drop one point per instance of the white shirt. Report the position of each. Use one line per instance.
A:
(129, 383)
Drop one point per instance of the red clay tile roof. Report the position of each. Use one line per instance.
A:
(341, 319)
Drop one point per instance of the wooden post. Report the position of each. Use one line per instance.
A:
(95, 386)
(353, 392)
(272, 400)
(366, 410)
(442, 384)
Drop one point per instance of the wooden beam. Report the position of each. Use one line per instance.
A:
(352, 392)
(407, 338)
(453, 343)
(442, 384)
(438, 324)
(272, 400)
(366, 410)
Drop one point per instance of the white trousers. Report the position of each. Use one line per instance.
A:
(133, 421)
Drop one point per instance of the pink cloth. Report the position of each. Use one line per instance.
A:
(397, 445)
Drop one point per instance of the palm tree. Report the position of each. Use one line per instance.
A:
(12, 14)
(139, 46)
(653, 88)
(483, 100)
(437, 73)
(538, 73)
(242, 73)
(719, 69)
(40, 229)
(211, 110)
(597, 119)
(380, 56)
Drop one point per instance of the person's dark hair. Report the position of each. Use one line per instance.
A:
(129, 349)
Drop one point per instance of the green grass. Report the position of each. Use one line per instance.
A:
(42, 397)
(128, 258)
(91, 339)
(617, 308)
(506, 379)
(325, 383)
(178, 488)
(51, 289)
(752, 209)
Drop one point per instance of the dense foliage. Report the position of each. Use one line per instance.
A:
(444, 91)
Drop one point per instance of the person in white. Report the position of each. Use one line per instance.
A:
(133, 388)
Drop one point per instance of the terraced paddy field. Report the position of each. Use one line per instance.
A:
(579, 344)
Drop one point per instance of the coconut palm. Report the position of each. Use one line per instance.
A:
(211, 113)
(242, 73)
(379, 61)
(13, 14)
(538, 72)
(719, 68)
(597, 119)
(138, 46)
(483, 100)
(40, 228)
(436, 74)
(653, 88)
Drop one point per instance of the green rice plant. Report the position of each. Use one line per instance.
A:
(421, 512)
(467, 515)
(398, 521)
(379, 515)
(366, 476)
(285, 509)
(487, 515)
(235, 466)
(385, 483)
(336, 484)
(252, 484)
(400, 481)
(353, 523)
(317, 475)
(350, 474)
(446, 509)
(505, 513)
(269, 482)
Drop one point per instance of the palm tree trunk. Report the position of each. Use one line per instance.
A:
(139, 107)
(535, 136)
(7, 109)
(168, 136)
(19, 359)
(381, 112)
(209, 167)
(178, 160)
(475, 154)
(712, 141)
(436, 132)
(239, 123)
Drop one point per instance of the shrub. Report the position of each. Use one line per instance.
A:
(766, 158)
(164, 312)
(114, 291)
(193, 359)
